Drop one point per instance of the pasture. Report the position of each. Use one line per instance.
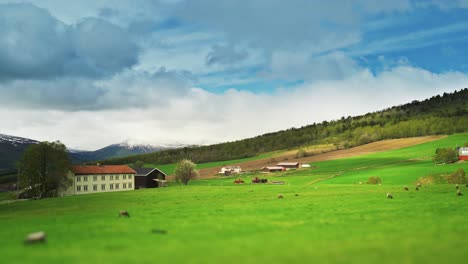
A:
(332, 219)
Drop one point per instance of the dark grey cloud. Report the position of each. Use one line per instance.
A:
(225, 55)
(36, 45)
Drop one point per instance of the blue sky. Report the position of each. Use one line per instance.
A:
(208, 71)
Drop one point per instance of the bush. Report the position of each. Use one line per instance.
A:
(445, 155)
(374, 180)
(301, 153)
(458, 177)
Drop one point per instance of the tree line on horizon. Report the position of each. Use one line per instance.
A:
(440, 114)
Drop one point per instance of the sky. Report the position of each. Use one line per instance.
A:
(96, 72)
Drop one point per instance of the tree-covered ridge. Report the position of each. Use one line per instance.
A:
(446, 114)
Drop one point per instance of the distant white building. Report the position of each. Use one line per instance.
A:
(228, 170)
(463, 153)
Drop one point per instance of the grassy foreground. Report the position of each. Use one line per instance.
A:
(214, 221)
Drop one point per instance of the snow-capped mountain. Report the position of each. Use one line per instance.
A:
(11, 149)
(126, 148)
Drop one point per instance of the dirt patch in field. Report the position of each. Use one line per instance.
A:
(374, 147)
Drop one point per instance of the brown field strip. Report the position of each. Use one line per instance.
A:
(374, 147)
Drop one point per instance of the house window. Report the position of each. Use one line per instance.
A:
(85, 178)
(111, 186)
(116, 185)
(124, 186)
(129, 185)
(111, 177)
(103, 177)
(130, 177)
(78, 188)
(116, 177)
(125, 177)
(94, 178)
(95, 187)
(103, 186)
(78, 179)
(85, 188)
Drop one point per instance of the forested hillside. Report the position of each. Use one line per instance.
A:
(446, 114)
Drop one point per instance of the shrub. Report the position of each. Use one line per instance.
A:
(458, 177)
(445, 155)
(374, 180)
(301, 153)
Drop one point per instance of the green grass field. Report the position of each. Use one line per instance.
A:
(331, 220)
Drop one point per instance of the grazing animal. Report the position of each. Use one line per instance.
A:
(459, 193)
(280, 196)
(124, 213)
(417, 188)
(456, 186)
(360, 182)
(419, 185)
(33, 238)
(389, 196)
(406, 188)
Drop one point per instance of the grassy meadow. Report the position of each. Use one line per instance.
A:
(325, 217)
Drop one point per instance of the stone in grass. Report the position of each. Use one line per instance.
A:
(406, 188)
(280, 196)
(389, 196)
(296, 194)
(35, 238)
(124, 213)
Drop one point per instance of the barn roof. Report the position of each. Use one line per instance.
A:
(273, 168)
(101, 169)
(147, 171)
(287, 164)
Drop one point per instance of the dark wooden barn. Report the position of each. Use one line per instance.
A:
(145, 177)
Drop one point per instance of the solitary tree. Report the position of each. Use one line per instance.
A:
(43, 169)
(185, 171)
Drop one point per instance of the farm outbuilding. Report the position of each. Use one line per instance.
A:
(289, 165)
(145, 177)
(273, 169)
(228, 170)
(463, 153)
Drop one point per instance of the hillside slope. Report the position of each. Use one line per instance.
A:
(370, 148)
(438, 115)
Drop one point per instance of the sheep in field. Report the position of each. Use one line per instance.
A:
(124, 213)
(456, 186)
(459, 193)
(389, 196)
(280, 196)
(33, 238)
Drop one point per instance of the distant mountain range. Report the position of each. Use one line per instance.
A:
(11, 149)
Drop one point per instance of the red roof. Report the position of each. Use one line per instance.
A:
(102, 169)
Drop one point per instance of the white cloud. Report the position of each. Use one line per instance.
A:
(203, 117)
